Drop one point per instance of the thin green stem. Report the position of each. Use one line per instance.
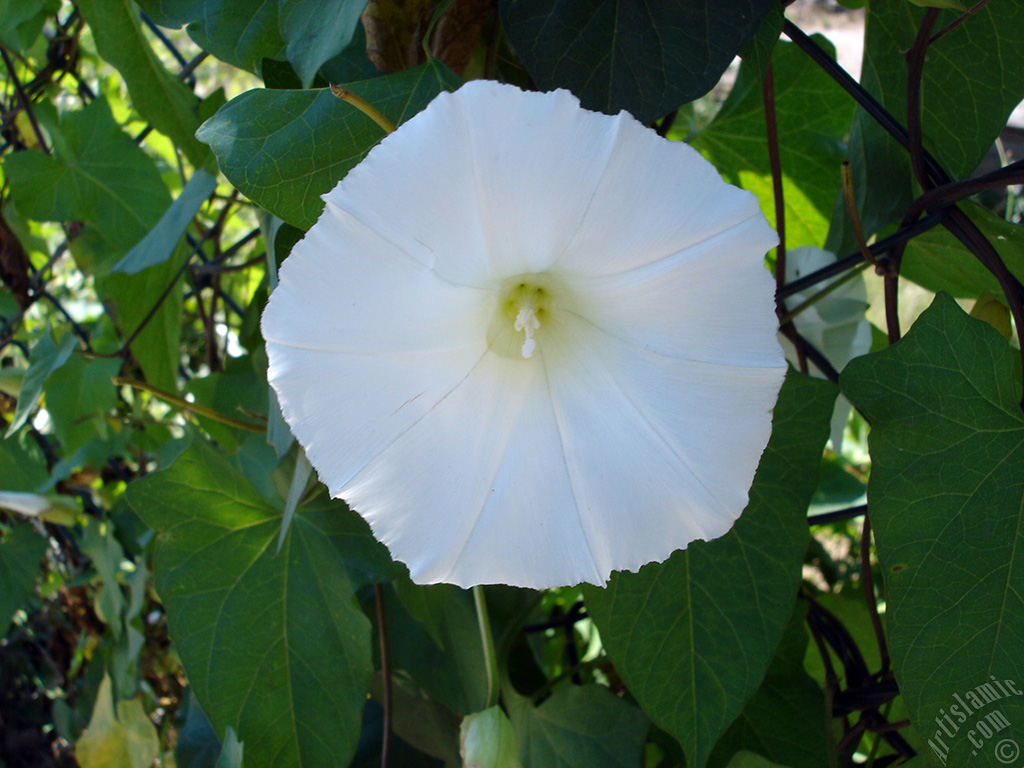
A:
(788, 317)
(487, 641)
(185, 405)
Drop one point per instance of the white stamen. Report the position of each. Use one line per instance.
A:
(527, 321)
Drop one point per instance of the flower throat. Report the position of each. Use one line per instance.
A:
(524, 314)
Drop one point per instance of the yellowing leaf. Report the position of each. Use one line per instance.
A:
(126, 739)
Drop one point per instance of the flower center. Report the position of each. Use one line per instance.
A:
(524, 314)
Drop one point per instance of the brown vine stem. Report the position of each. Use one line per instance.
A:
(955, 220)
(868, 580)
(915, 69)
(915, 146)
(385, 672)
(891, 285)
(149, 315)
(831, 681)
(851, 210)
(775, 161)
(26, 104)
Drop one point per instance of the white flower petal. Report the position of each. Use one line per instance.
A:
(345, 409)
(28, 504)
(345, 269)
(530, 344)
(477, 491)
(503, 179)
(661, 451)
(656, 198)
(712, 302)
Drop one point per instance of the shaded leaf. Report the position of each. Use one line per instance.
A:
(454, 676)
(21, 469)
(284, 149)
(946, 499)
(752, 760)
(156, 345)
(240, 32)
(644, 58)
(316, 31)
(232, 752)
(20, 553)
(785, 719)
(692, 637)
(420, 721)
(79, 395)
(579, 727)
(757, 53)
(197, 745)
(273, 644)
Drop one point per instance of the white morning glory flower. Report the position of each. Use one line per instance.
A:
(836, 325)
(529, 343)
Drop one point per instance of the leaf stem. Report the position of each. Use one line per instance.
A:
(363, 106)
(788, 317)
(385, 671)
(868, 581)
(487, 642)
(851, 209)
(185, 405)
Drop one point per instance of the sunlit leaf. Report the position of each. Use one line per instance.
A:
(160, 97)
(159, 243)
(274, 644)
(98, 175)
(813, 114)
